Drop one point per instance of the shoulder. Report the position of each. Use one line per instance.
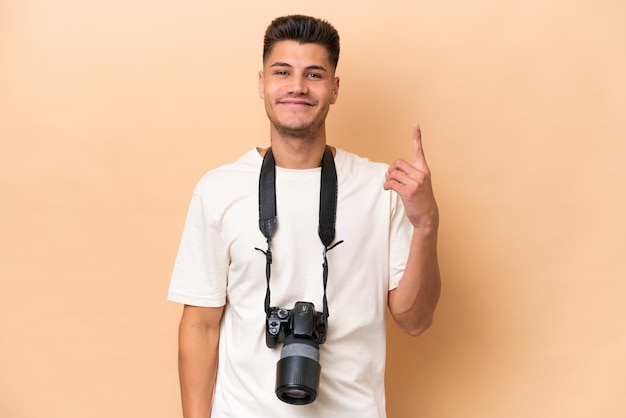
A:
(233, 175)
(354, 165)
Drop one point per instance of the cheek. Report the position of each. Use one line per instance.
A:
(270, 90)
(333, 98)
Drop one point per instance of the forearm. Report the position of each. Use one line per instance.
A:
(197, 365)
(413, 302)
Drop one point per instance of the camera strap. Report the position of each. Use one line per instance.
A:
(327, 214)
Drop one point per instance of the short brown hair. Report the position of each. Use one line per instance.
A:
(304, 30)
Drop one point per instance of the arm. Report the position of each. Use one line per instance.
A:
(413, 302)
(198, 340)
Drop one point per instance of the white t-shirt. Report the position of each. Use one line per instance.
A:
(218, 265)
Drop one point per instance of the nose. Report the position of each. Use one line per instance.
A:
(298, 86)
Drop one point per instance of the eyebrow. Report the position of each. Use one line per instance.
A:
(310, 67)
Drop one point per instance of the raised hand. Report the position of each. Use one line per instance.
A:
(413, 185)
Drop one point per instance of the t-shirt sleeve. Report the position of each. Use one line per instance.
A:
(400, 232)
(200, 271)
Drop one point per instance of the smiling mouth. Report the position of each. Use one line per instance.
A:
(298, 104)
(295, 102)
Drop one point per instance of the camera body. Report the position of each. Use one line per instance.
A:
(302, 330)
(302, 321)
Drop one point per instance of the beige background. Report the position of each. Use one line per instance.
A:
(111, 111)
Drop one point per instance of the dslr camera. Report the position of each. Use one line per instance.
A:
(301, 330)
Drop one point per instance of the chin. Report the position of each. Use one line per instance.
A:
(294, 129)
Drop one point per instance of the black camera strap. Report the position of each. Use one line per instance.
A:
(327, 214)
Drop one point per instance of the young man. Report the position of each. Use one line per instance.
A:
(385, 221)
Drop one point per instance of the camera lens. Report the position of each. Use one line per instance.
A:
(298, 371)
(295, 393)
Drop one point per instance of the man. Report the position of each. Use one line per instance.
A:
(386, 223)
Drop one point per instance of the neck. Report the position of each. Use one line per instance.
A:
(297, 153)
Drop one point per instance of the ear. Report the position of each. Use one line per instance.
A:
(335, 92)
(261, 88)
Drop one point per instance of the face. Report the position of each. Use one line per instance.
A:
(298, 85)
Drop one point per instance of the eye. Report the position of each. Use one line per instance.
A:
(314, 75)
(282, 72)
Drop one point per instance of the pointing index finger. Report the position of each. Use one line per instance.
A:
(419, 160)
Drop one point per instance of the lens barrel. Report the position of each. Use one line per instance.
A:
(298, 371)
